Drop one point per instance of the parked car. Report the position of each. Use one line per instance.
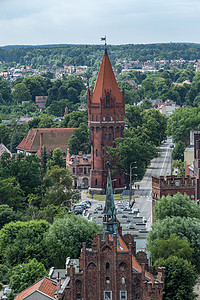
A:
(78, 209)
(86, 202)
(99, 207)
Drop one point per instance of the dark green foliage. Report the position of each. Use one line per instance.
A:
(162, 249)
(178, 205)
(182, 227)
(21, 93)
(25, 274)
(79, 141)
(178, 151)
(74, 119)
(56, 159)
(15, 141)
(66, 235)
(180, 278)
(7, 215)
(21, 241)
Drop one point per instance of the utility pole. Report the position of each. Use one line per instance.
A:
(130, 184)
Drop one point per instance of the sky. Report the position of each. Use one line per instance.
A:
(40, 22)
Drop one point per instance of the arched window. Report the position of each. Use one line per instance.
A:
(123, 280)
(96, 152)
(92, 117)
(96, 181)
(107, 118)
(111, 118)
(97, 117)
(107, 266)
(104, 118)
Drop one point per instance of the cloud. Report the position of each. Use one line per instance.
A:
(77, 21)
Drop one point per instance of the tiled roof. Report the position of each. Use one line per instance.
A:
(3, 149)
(45, 285)
(52, 138)
(106, 80)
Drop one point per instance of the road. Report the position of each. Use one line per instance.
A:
(160, 166)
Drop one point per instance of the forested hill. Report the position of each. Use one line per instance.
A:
(91, 54)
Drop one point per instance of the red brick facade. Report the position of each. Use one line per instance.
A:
(197, 164)
(171, 185)
(111, 270)
(106, 108)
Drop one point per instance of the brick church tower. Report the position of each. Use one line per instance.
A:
(106, 108)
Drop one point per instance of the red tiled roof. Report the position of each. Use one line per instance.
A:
(45, 285)
(106, 80)
(52, 138)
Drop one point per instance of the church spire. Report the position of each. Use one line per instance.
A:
(110, 214)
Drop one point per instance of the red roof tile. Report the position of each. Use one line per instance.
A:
(52, 138)
(106, 80)
(45, 285)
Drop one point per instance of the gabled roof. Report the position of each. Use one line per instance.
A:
(3, 149)
(52, 138)
(45, 286)
(106, 80)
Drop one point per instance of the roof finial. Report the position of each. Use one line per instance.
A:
(104, 39)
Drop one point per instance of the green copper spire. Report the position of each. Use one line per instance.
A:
(109, 220)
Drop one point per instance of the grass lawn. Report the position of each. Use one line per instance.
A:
(103, 197)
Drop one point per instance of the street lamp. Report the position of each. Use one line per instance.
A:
(130, 184)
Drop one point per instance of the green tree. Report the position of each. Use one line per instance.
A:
(178, 151)
(177, 205)
(66, 235)
(180, 278)
(56, 159)
(11, 193)
(25, 274)
(79, 140)
(15, 141)
(171, 246)
(21, 93)
(180, 166)
(59, 190)
(182, 227)
(4, 134)
(7, 215)
(21, 241)
(74, 119)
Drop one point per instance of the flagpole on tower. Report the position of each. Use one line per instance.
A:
(104, 39)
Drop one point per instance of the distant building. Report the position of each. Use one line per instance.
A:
(40, 102)
(51, 138)
(168, 107)
(3, 150)
(171, 185)
(80, 166)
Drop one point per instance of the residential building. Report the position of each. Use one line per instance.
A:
(51, 138)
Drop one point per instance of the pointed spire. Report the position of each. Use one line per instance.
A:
(106, 81)
(110, 219)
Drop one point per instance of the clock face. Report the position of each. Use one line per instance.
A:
(177, 183)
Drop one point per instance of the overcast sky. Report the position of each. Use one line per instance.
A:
(25, 22)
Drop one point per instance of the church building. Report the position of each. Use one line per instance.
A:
(111, 269)
(106, 109)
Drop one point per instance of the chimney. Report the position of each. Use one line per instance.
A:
(58, 285)
(66, 111)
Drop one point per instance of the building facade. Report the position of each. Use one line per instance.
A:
(111, 269)
(106, 108)
(171, 185)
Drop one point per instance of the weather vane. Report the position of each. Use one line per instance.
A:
(104, 39)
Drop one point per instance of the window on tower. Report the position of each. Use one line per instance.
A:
(96, 152)
(96, 181)
(109, 136)
(92, 117)
(107, 100)
(97, 118)
(105, 136)
(111, 118)
(107, 118)
(104, 118)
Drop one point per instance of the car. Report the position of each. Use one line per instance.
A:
(86, 202)
(172, 146)
(130, 226)
(78, 209)
(99, 207)
(135, 210)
